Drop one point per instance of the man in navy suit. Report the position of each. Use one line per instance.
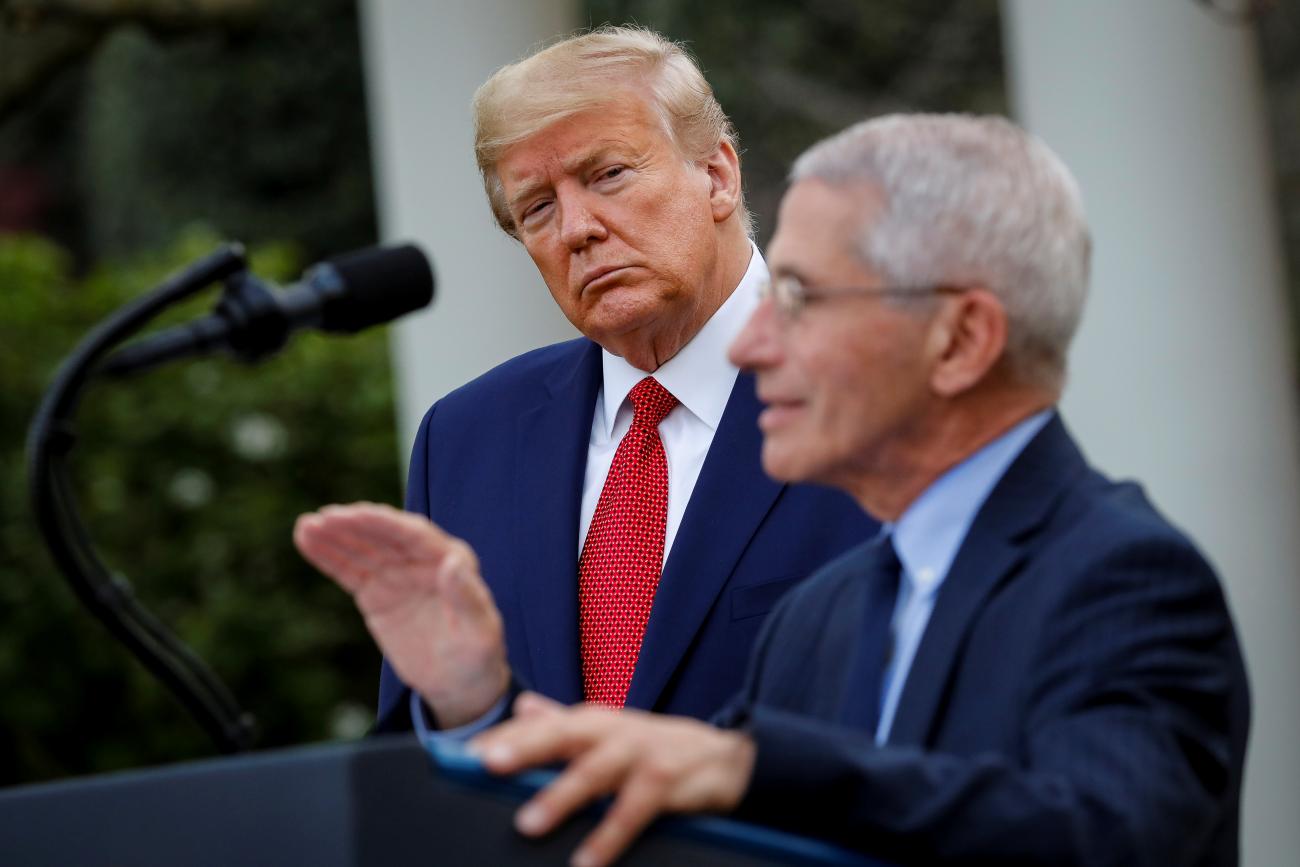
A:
(1028, 664)
(608, 158)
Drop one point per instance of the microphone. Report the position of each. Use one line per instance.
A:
(342, 295)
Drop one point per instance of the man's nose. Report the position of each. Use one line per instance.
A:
(580, 221)
(758, 345)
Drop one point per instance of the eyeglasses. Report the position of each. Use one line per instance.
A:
(790, 295)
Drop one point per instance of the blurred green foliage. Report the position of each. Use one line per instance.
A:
(256, 125)
(189, 479)
(261, 131)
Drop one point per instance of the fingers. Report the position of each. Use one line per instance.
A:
(409, 536)
(539, 737)
(593, 774)
(641, 798)
(362, 552)
(374, 538)
(607, 759)
(382, 527)
(604, 754)
(654, 764)
(320, 549)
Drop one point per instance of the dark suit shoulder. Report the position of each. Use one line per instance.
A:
(531, 370)
(471, 420)
(1101, 520)
(503, 386)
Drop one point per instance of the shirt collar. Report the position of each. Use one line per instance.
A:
(699, 375)
(932, 529)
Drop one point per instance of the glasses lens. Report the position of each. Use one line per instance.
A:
(789, 295)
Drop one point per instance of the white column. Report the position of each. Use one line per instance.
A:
(423, 62)
(1182, 374)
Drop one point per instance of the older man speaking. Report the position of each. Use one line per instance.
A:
(1028, 664)
(603, 526)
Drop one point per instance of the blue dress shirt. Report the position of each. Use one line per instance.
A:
(927, 538)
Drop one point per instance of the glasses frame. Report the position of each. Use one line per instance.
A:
(790, 296)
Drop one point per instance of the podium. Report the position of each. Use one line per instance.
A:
(374, 802)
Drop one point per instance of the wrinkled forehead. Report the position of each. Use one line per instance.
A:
(578, 142)
(627, 112)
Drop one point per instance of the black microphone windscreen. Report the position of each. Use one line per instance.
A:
(382, 283)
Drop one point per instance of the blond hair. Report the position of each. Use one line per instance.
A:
(584, 72)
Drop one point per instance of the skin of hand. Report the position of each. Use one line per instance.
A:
(422, 598)
(651, 764)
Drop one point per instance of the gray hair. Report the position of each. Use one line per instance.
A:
(972, 201)
(588, 71)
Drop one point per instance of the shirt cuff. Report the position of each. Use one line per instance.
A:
(426, 732)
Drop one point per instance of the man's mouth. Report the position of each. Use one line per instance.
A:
(778, 412)
(603, 277)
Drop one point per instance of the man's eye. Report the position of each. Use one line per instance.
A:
(611, 172)
(535, 209)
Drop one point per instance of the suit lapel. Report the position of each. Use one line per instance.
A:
(730, 499)
(993, 551)
(552, 441)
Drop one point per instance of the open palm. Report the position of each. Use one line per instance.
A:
(422, 598)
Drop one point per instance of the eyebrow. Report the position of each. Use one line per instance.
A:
(573, 166)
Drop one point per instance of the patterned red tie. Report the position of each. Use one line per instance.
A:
(624, 550)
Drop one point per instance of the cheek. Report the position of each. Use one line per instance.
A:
(549, 260)
(681, 219)
(846, 395)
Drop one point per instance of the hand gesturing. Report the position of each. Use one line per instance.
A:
(423, 600)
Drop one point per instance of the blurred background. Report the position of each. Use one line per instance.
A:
(136, 135)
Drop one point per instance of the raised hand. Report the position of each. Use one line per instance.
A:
(651, 764)
(423, 600)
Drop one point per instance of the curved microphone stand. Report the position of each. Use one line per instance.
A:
(108, 596)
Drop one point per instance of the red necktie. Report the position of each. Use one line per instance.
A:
(624, 550)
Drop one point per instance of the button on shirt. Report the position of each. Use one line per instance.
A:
(927, 538)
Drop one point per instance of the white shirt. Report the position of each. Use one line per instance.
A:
(700, 377)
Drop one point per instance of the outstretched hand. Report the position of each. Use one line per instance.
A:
(423, 600)
(651, 764)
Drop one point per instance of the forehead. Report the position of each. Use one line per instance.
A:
(820, 227)
(626, 123)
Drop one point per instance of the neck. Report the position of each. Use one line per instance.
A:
(935, 445)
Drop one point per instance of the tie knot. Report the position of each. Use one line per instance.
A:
(651, 402)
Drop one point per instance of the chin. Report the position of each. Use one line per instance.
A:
(624, 309)
(780, 464)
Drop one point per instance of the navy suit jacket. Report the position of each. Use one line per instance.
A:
(1078, 696)
(500, 463)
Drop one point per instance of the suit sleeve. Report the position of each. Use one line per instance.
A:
(1134, 717)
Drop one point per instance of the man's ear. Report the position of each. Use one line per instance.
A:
(967, 339)
(723, 166)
